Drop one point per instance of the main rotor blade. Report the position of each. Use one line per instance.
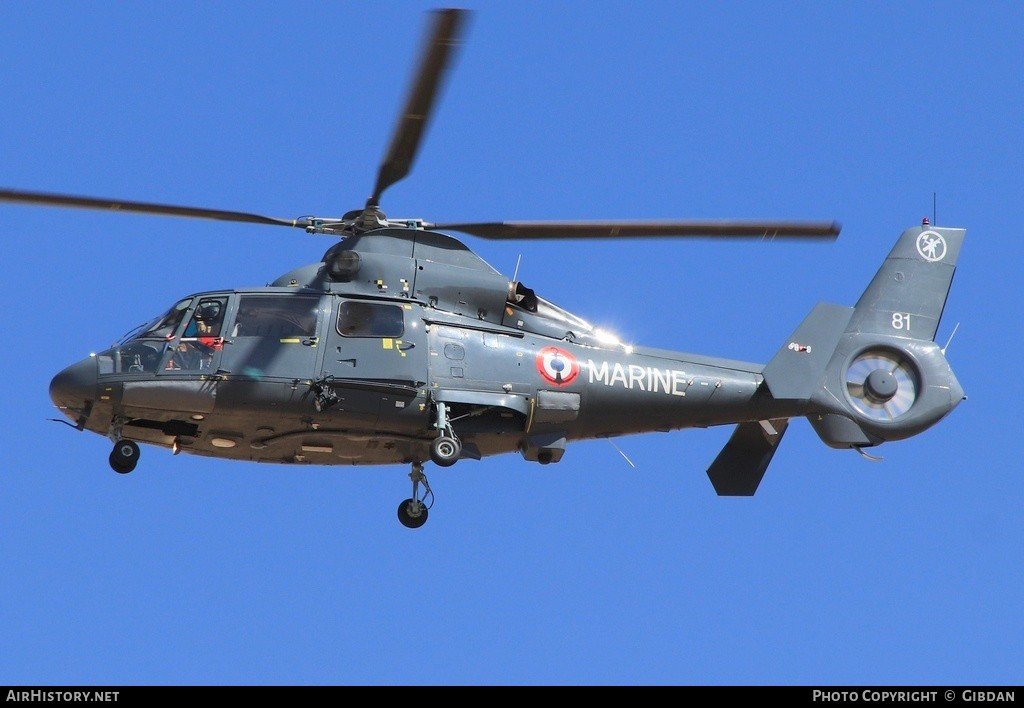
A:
(64, 200)
(435, 59)
(766, 230)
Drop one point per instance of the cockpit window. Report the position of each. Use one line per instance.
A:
(134, 332)
(165, 326)
(370, 319)
(141, 350)
(208, 318)
(138, 356)
(201, 339)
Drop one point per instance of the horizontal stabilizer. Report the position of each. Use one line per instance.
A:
(739, 467)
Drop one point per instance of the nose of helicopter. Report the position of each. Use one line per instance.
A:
(75, 385)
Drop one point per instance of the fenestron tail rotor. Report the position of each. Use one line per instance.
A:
(882, 385)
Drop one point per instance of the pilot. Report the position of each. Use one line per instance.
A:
(201, 338)
(209, 317)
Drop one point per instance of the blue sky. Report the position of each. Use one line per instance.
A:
(200, 571)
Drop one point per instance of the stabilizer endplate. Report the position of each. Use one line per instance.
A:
(739, 467)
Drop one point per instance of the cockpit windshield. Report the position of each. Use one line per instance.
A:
(141, 349)
(158, 327)
(134, 332)
(164, 327)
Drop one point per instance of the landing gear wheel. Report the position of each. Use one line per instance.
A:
(412, 513)
(445, 451)
(124, 456)
(119, 467)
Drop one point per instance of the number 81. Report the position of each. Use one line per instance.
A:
(901, 320)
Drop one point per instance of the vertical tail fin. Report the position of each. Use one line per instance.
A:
(907, 295)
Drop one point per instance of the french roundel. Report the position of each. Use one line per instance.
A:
(557, 366)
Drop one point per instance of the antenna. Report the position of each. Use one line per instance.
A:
(865, 455)
(934, 222)
(518, 260)
(943, 350)
(620, 452)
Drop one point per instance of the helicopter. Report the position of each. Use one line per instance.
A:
(403, 346)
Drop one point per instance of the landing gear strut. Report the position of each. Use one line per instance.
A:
(445, 449)
(413, 512)
(124, 456)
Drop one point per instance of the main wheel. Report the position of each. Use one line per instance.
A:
(445, 451)
(410, 518)
(124, 456)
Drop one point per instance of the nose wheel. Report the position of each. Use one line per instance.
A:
(124, 456)
(413, 512)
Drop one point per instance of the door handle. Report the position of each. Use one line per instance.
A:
(405, 346)
(310, 341)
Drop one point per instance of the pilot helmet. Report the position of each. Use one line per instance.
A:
(208, 311)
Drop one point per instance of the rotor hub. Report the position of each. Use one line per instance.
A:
(881, 385)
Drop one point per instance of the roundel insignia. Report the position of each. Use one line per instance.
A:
(557, 366)
(931, 246)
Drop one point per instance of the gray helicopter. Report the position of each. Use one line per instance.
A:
(402, 346)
